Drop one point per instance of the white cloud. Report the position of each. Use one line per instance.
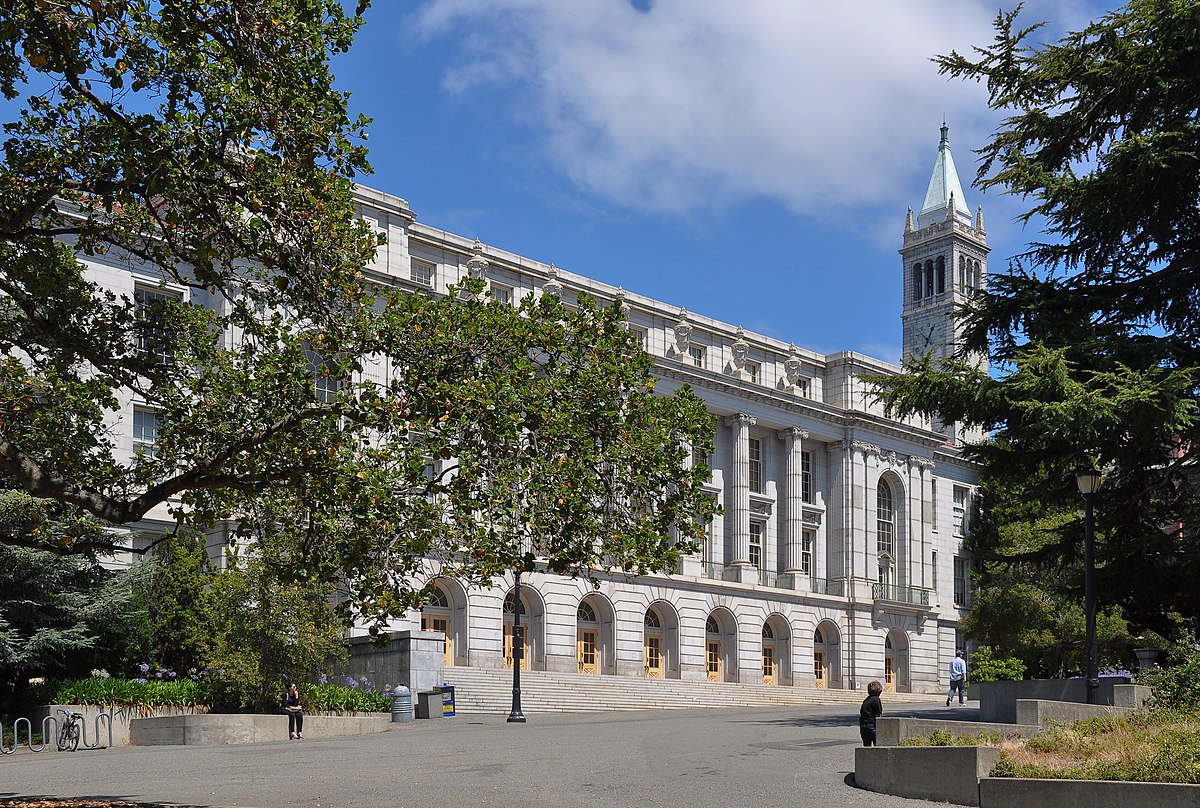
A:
(698, 104)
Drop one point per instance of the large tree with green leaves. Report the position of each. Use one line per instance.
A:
(203, 145)
(1094, 333)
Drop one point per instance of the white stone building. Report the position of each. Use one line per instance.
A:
(838, 557)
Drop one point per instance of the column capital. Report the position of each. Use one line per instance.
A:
(921, 462)
(865, 448)
(740, 418)
(793, 432)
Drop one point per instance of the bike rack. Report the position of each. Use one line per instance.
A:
(50, 727)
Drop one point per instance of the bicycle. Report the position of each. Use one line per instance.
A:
(68, 735)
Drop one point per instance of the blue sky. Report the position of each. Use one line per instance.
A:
(751, 161)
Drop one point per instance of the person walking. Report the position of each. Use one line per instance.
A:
(958, 678)
(871, 709)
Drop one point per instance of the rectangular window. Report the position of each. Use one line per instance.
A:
(809, 538)
(639, 334)
(754, 371)
(933, 496)
(700, 457)
(801, 388)
(933, 568)
(756, 479)
(153, 334)
(145, 432)
(502, 294)
(696, 352)
(806, 477)
(421, 272)
(962, 571)
(756, 544)
(960, 510)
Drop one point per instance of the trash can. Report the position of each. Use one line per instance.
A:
(447, 692)
(402, 706)
(429, 704)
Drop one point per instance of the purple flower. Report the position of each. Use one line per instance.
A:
(351, 681)
(324, 680)
(144, 668)
(171, 674)
(140, 681)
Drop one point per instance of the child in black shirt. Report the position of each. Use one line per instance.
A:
(871, 709)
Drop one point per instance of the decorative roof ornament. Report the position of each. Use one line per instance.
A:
(683, 331)
(477, 265)
(979, 220)
(740, 349)
(909, 225)
(794, 363)
(553, 286)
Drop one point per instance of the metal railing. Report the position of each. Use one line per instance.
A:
(829, 586)
(900, 594)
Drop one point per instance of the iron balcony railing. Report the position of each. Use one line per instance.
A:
(900, 594)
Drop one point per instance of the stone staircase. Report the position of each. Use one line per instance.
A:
(489, 691)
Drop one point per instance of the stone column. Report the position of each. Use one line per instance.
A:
(740, 489)
(793, 504)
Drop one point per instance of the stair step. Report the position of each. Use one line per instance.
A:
(489, 690)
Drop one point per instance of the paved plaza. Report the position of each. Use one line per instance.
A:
(795, 757)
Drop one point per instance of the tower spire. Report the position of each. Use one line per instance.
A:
(944, 199)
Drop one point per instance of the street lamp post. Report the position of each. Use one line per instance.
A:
(515, 716)
(1088, 481)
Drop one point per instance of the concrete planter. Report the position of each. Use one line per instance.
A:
(217, 729)
(121, 719)
(894, 731)
(1001, 792)
(938, 773)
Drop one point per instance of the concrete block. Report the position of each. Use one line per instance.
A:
(938, 773)
(1003, 792)
(893, 731)
(998, 700)
(1132, 696)
(1036, 711)
(221, 729)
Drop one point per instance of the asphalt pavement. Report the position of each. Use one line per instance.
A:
(761, 758)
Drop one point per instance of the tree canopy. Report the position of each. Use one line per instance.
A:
(1094, 332)
(359, 435)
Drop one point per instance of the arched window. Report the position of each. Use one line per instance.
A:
(711, 626)
(818, 638)
(885, 519)
(510, 603)
(941, 274)
(652, 620)
(928, 279)
(767, 633)
(586, 613)
(918, 278)
(438, 598)
(977, 276)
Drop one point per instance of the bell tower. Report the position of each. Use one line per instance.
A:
(945, 263)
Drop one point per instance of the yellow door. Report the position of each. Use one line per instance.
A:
(889, 674)
(585, 651)
(819, 669)
(508, 647)
(653, 653)
(768, 660)
(714, 660)
(431, 622)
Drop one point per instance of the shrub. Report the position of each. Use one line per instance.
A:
(1176, 687)
(143, 695)
(343, 699)
(988, 666)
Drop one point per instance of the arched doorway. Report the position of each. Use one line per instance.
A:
(653, 651)
(776, 651)
(532, 626)
(769, 664)
(446, 612)
(720, 646)
(587, 639)
(826, 669)
(895, 662)
(660, 641)
(436, 616)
